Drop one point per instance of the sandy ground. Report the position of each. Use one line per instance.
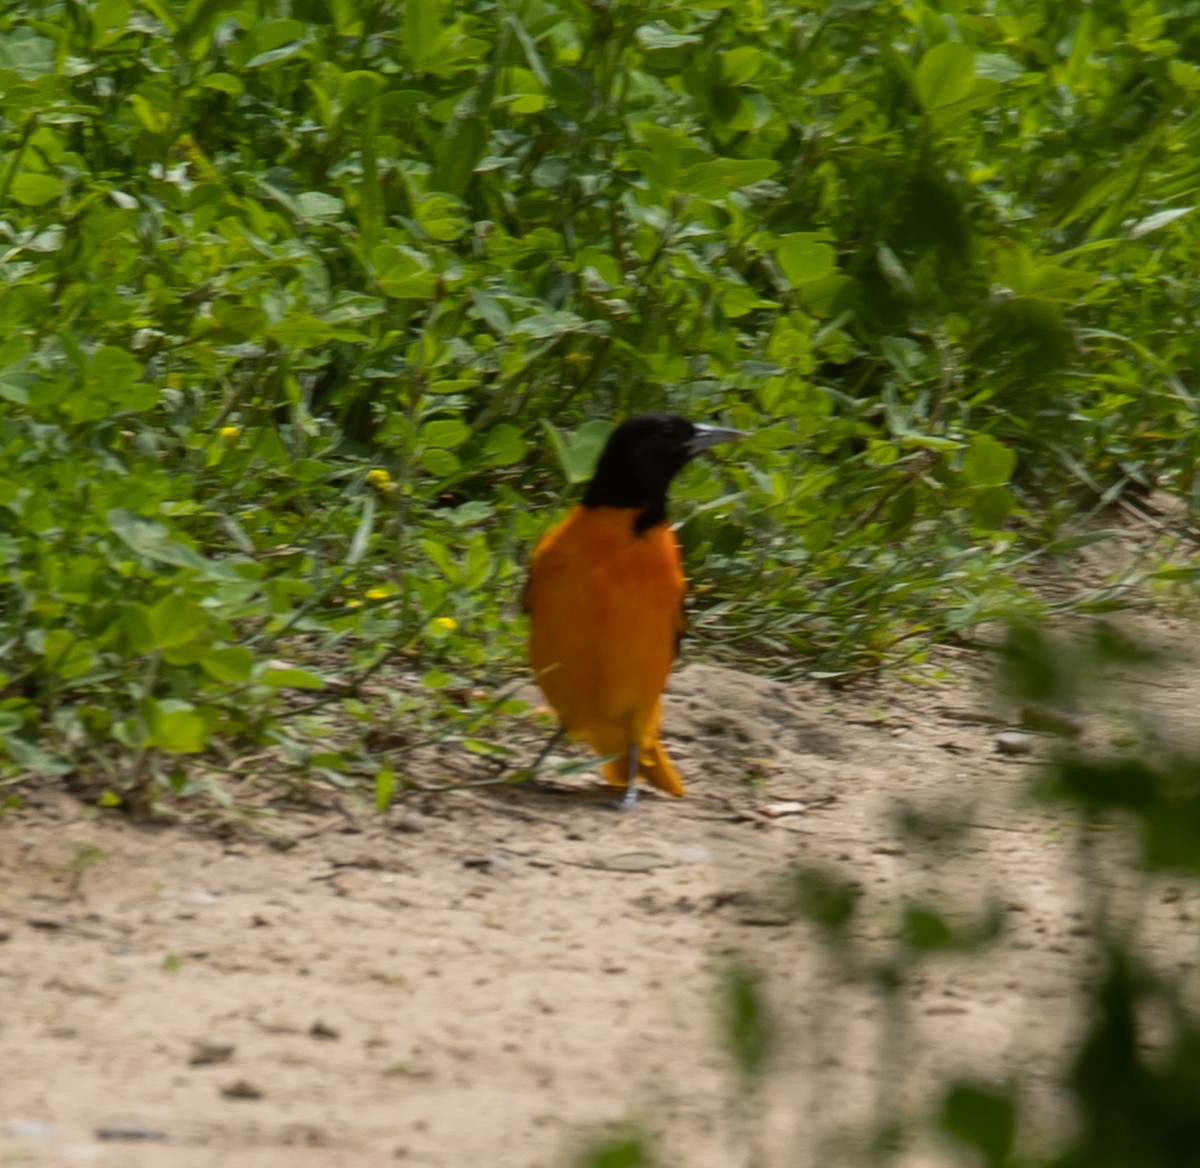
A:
(494, 977)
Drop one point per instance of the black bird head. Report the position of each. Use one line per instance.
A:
(642, 455)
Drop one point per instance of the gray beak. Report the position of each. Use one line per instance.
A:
(707, 436)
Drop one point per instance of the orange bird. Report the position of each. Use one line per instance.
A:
(605, 600)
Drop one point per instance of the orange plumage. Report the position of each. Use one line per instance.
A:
(605, 601)
(607, 614)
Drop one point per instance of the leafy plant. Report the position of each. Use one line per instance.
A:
(321, 307)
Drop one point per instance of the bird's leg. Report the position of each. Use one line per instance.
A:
(631, 774)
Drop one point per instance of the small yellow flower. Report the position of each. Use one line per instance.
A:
(379, 478)
(377, 593)
(446, 622)
(230, 433)
(354, 604)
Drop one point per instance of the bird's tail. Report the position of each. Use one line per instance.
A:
(653, 765)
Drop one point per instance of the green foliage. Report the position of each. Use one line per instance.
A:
(1125, 1091)
(1135, 1109)
(826, 900)
(746, 1019)
(941, 263)
(986, 1119)
(619, 1152)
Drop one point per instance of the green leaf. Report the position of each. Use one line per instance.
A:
(740, 65)
(25, 53)
(402, 273)
(30, 757)
(361, 87)
(440, 463)
(659, 36)
(714, 180)
(155, 119)
(136, 623)
(176, 620)
(113, 383)
(998, 67)
(738, 298)
(544, 325)
(422, 32)
(441, 217)
(440, 558)
(946, 75)
(289, 677)
(991, 506)
(65, 654)
(490, 311)
(362, 533)
(274, 56)
(578, 454)
(895, 272)
(151, 539)
(1157, 220)
(385, 788)
(462, 146)
(174, 726)
(988, 463)
(227, 83)
(15, 380)
(230, 663)
(319, 206)
(444, 433)
(243, 320)
(504, 446)
(35, 190)
(300, 330)
(805, 258)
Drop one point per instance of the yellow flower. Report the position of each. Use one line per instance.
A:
(230, 433)
(377, 593)
(446, 622)
(379, 478)
(354, 603)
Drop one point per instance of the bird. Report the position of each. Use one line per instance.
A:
(605, 594)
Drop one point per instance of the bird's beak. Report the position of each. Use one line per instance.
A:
(707, 436)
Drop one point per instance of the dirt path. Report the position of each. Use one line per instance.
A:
(491, 978)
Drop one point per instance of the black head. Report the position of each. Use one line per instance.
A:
(642, 455)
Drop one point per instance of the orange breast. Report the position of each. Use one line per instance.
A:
(606, 611)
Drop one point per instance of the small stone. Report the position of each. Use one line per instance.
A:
(241, 1090)
(207, 1053)
(30, 1129)
(411, 822)
(131, 1135)
(1014, 742)
(778, 810)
